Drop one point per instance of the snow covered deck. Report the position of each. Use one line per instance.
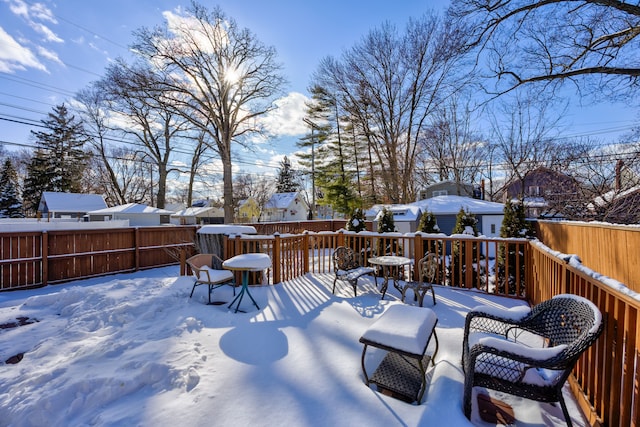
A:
(134, 349)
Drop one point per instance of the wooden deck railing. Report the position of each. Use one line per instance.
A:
(606, 379)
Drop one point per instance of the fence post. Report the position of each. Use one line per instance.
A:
(136, 244)
(275, 262)
(44, 249)
(305, 250)
(341, 237)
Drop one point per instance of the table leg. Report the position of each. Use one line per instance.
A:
(385, 280)
(244, 288)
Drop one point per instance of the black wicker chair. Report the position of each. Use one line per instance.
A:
(528, 352)
(347, 268)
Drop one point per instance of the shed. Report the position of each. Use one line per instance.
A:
(136, 213)
(69, 205)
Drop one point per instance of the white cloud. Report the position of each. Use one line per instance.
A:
(49, 54)
(14, 56)
(286, 119)
(49, 35)
(34, 14)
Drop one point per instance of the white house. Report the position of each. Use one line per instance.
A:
(198, 215)
(137, 214)
(69, 205)
(285, 207)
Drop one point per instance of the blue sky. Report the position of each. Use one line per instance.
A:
(51, 49)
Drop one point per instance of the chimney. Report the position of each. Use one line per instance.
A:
(619, 165)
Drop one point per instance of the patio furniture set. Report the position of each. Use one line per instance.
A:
(525, 352)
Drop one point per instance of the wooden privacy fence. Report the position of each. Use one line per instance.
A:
(609, 249)
(31, 259)
(606, 379)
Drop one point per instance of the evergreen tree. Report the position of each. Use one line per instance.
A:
(386, 224)
(286, 178)
(357, 224)
(357, 221)
(514, 224)
(10, 203)
(429, 224)
(59, 161)
(466, 223)
(332, 154)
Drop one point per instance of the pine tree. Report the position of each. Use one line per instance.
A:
(10, 203)
(356, 221)
(466, 223)
(332, 153)
(386, 224)
(286, 178)
(514, 224)
(59, 160)
(429, 224)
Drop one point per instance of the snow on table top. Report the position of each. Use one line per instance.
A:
(403, 327)
(248, 261)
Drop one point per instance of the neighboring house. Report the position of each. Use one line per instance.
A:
(248, 211)
(449, 188)
(618, 207)
(285, 207)
(545, 192)
(69, 205)
(198, 215)
(138, 215)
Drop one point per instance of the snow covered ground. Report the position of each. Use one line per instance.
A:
(134, 349)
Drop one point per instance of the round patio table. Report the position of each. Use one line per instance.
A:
(246, 263)
(387, 262)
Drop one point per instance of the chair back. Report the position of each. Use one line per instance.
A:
(344, 259)
(566, 319)
(428, 268)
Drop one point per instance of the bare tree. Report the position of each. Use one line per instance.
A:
(523, 135)
(217, 75)
(143, 113)
(389, 84)
(451, 149)
(526, 41)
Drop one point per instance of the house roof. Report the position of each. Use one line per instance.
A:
(71, 202)
(450, 205)
(195, 211)
(400, 212)
(132, 208)
(281, 200)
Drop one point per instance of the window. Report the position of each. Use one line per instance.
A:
(493, 229)
(440, 193)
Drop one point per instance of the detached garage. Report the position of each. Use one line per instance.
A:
(138, 215)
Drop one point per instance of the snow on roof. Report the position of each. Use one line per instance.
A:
(400, 212)
(281, 200)
(132, 208)
(195, 211)
(450, 205)
(72, 202)
(612, 195)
